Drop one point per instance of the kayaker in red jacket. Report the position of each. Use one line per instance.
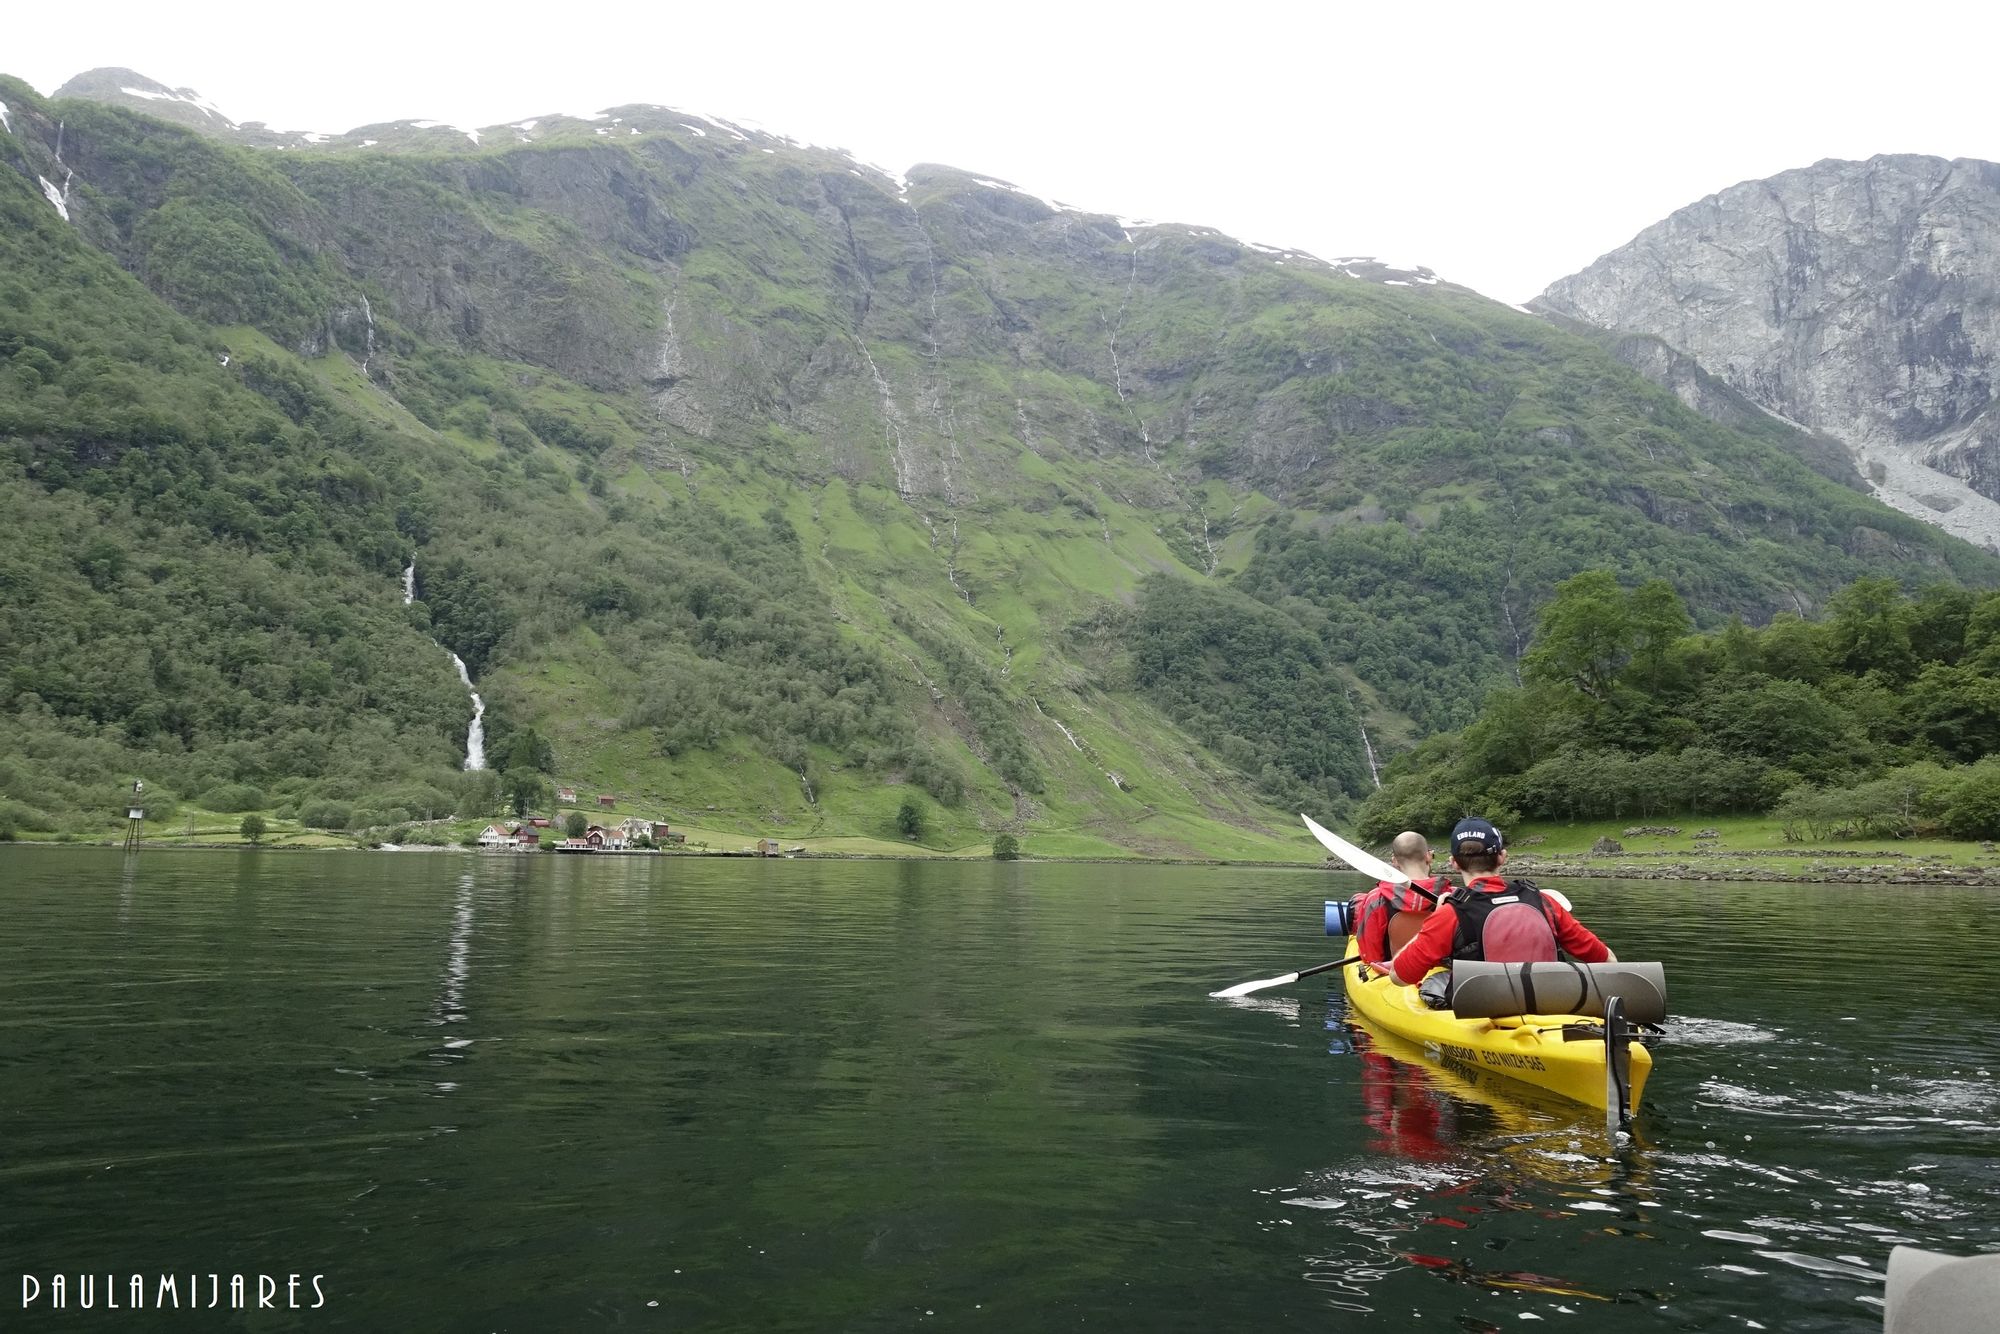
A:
(1387, 916)
(1503, 921)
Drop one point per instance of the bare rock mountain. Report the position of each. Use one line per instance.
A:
(134, 91)
(1859, 299)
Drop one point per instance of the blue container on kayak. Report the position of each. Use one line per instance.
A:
(1340, 917)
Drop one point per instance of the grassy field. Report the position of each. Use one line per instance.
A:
(193, 827)
(1750, 843)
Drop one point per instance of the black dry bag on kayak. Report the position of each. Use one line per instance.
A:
(1481, 990)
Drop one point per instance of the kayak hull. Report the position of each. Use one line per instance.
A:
(1529, 1048)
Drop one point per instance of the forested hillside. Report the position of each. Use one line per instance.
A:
(751, 482)
(1880, 719)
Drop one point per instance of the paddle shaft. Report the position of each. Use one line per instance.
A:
(1337, 963)
(1285, 980)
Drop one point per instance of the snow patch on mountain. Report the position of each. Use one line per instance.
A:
(201, 104)
(1389, 273)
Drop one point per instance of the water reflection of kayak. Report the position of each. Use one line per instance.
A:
(1531, 1049)
(1422, 1108)
(1421, 1112)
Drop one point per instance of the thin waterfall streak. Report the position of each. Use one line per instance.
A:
(1367, 747)
(475, 736)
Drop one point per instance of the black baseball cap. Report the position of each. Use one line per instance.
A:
(1475, 837)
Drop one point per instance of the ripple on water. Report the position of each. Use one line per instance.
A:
(1716, 1032)
(1957, 1095)
(1735, 1095)
(1284, 1007)
(1846, 1267)
(1903, 1102)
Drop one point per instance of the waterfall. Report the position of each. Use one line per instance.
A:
(1374, 771)
(1117, 779)
(369, 355)
(475, 736)
(1059, 727)
(905, 475)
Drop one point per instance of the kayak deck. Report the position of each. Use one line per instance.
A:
(1528, 1048)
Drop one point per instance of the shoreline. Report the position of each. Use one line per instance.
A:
(968, 857)
(1586, 866)
(1875, 873)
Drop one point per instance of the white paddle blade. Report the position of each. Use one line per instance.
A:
(1366, 863)
(1559, 897)
(1245, 988)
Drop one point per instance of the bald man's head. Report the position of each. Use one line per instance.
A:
(1411, 853)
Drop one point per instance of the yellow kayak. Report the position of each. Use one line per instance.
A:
(1529, 1048)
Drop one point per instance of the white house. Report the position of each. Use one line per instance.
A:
(493, 836)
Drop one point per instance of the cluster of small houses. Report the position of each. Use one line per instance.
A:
(527, 835)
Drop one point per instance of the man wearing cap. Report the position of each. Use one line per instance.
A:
(1491, 918)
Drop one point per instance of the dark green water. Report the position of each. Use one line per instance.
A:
(536, 1093)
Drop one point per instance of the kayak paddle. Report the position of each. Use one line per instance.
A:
(1245, 988)
(1381, 870)
(1366, 863)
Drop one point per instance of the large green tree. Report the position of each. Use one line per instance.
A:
(1586, 636)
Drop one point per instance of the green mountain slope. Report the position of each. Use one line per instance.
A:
(767, 489)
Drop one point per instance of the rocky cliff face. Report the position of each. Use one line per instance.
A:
(1860, 299)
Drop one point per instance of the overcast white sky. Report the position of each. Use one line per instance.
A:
(1504, 144)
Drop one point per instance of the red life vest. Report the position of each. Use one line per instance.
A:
(1406, 908)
